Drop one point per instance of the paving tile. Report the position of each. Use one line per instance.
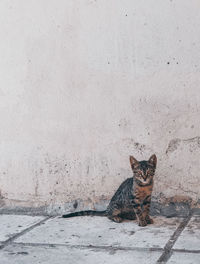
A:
(100, 231)
(13, 224)
(62, 255)
(184, 258)
(190, 237)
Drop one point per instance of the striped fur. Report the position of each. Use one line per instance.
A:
(133, 197)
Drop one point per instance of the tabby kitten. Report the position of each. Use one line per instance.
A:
(133, 197)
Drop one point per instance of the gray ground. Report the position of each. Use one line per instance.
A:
(37, 239)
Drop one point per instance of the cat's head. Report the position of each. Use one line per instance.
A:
(143, 171)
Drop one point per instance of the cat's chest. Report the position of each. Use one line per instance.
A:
(142, 192)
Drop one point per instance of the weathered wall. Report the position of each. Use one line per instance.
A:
(85, 83)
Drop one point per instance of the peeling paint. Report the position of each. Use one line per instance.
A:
(173, 145)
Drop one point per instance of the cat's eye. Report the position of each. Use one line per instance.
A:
(139, 174)
(150, 172)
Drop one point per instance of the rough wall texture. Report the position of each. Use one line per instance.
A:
(86, 83)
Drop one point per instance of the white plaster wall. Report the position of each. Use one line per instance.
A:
(85, 83)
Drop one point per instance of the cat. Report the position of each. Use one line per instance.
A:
(133, 197)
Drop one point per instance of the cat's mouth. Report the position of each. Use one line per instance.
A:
(145, 181)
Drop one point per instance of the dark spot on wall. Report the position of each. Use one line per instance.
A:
(75, 204)
(140, 147)
(177, 63)
(88, 169)
(168, 62)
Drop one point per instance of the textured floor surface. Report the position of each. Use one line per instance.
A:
(33, 239)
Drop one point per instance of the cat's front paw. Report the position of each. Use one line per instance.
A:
(149, 220)
(142, 222)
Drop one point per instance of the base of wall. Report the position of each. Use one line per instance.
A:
(177, 206)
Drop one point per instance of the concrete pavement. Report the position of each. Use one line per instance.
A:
(52, 240)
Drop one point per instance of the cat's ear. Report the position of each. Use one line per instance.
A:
(153, 160)
(133, 162)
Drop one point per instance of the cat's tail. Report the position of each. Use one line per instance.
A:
(83, 213)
